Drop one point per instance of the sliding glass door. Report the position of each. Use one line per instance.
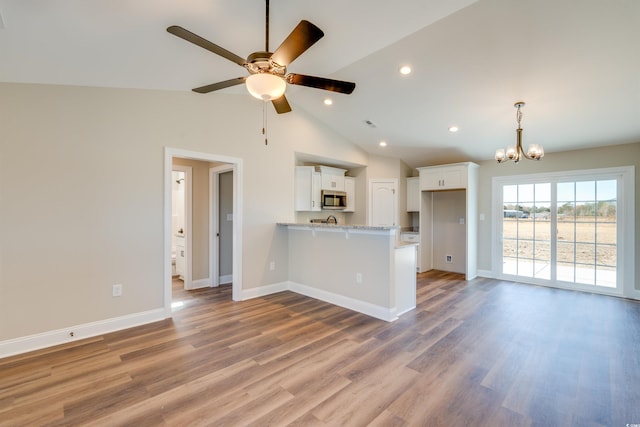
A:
(560, 230)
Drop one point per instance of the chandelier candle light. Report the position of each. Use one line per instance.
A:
(535, 151)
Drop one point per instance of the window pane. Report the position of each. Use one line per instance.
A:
(585, 232)
(542, 269)
(566, 192)
(606, 233)
(543, 251)
(566, 231)
(607, 190)
(525, 229)
(509, 228)
(565, 252)
(525, 249)
(607, 211)
(525, 193)
(566, 211)
(542, 230)
(525, 267)
(585, 253)
(510, 265)
(585, 274)
(606, 255)
(543, 192)
(509, 248)
(510, 194)
(586, 190)
(606, 276)
(565, 271)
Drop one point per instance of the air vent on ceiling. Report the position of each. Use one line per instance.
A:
(370, 124)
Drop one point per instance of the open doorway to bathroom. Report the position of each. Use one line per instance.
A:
(202, 227)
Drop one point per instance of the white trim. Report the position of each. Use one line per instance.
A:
(486, 273)
(262, 291)
(225, 280)
(369, 309)
(169, 154)
(214, 221)
(62, 336)
(201, 283)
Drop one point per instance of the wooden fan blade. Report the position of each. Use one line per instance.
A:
(206, 44)
(321, 83)
(301, 38)
(220, 85)
(281, 105)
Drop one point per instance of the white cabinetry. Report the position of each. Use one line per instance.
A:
(180, 259)
(350, 189)
(437, 178)
(332, 178)
(412, 238)
(413, 194)
(449, 219)
(308, 183)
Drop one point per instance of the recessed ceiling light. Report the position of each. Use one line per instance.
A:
(382, 144)
(453, 129)
(405, 69)
(328, 101)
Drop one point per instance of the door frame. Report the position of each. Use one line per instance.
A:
(236, 164)
(214, 221)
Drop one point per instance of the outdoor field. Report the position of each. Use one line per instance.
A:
(583, 242)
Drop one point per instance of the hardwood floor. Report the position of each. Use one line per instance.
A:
(478, 353)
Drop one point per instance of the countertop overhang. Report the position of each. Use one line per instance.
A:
(316, 225)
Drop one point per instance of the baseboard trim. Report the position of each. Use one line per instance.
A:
(200, 283)
(225, 280)
(264, 290)
(486, 274)
(369, 309)
(87, 330)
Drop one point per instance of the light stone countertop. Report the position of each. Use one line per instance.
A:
(338, 226)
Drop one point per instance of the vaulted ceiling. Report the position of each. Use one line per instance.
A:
(576, 64)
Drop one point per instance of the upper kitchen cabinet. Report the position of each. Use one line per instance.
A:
(350, 189)
(413, 194)
(308, 192)
(332, 178)
(447, 177)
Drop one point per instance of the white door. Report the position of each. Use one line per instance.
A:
(383, 202)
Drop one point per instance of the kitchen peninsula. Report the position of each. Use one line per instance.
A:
(363, 268)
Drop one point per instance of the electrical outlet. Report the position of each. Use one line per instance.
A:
(116, 291)
(358, 277)
(272, 265)
(448, 259)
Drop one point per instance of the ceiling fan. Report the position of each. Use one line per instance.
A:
(268, 75)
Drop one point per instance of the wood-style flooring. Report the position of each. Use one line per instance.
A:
(477, 353)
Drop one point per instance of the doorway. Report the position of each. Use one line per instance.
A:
(231, 164)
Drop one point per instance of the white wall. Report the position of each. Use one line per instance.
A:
(81, 190)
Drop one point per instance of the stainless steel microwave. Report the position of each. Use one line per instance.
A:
(334, 199)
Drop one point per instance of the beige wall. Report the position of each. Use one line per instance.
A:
(82, 187)
(611, 156)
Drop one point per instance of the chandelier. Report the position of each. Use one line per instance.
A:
(535, 151)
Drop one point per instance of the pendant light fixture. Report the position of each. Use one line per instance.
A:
(534, 152)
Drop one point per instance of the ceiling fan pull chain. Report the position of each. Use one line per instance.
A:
(264, 122)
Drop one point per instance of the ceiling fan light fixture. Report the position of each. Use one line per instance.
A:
(266, 86)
